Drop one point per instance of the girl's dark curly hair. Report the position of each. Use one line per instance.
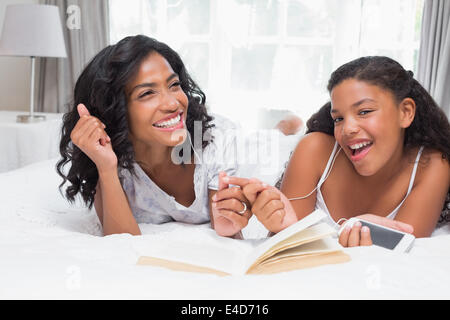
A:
(101, 88)
(430, 127)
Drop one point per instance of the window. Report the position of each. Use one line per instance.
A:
(277, 54)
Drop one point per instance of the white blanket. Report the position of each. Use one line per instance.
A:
(50, 249)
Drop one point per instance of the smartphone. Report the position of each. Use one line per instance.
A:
(385, 237)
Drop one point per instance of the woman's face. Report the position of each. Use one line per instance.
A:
(157, 106)
(368, 124)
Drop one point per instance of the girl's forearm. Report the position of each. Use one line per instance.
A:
(117, 215)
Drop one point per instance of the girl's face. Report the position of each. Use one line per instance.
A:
(157, 106)
(369, 124)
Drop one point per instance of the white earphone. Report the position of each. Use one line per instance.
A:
(334, 159)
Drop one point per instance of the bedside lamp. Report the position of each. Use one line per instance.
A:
(32, 30)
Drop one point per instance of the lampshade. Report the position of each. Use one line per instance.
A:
(32, 30)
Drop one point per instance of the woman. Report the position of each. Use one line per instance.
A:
(132, 121)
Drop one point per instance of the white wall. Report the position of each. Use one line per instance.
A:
(15, 72)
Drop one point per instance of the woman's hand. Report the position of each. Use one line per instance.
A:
(358, 235)
(89, 135)
(268, 204)
(230, 209)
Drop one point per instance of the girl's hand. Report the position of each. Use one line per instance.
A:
(360, 236)
(229, 212)
(274, 210)
(89, 135)
(355, 236)
(268, 204)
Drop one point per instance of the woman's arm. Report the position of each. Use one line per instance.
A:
(98, 202)
(112, 206)
(424, 204)
(224, 207)
(225, 226)
(110, 201)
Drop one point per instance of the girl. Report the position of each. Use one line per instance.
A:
(380, 149)
(134, 112)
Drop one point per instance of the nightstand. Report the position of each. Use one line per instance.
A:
(25, 143)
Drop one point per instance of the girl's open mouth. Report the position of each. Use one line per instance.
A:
(359, 150)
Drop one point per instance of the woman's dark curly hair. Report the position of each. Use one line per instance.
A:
(430, 127)
(101, 88)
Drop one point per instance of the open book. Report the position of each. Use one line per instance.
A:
(306, 243)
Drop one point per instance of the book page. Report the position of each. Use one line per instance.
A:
(206, 250)
(300, 262)
(319, 246)
(302, 224)
(177, 266)
(315, 232)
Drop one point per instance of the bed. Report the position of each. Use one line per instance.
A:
(50, 249)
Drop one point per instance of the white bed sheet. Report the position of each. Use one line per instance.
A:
(52, 250)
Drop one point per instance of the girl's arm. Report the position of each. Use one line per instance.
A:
(424, 204)
(420, 211)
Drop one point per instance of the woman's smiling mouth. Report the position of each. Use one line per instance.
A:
(170, 123)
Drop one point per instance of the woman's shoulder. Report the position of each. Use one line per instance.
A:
(128, 175)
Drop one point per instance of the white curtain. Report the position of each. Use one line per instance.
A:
(275, 54)
(86, 31)
(434, 57)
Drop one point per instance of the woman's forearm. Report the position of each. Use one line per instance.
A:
(117, 216)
